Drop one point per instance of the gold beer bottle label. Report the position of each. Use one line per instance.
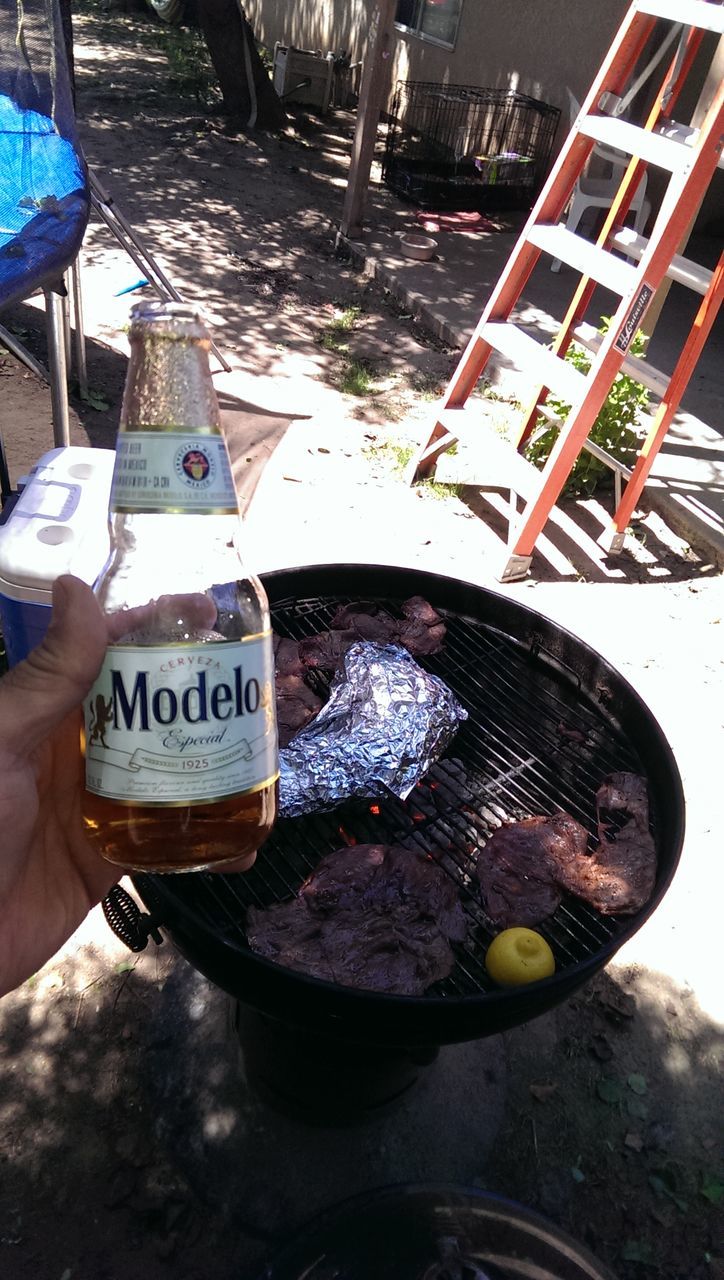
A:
(182, 724)
(172, 472)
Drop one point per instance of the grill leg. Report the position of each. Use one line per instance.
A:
(322, 1080)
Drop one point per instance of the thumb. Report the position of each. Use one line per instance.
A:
(37, 695)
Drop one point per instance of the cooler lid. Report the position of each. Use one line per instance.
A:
(59, 523)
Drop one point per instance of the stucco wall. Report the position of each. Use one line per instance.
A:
(539, 47)
(312, 24)
(535, 46)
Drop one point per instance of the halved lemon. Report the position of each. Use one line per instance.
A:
(517, 956)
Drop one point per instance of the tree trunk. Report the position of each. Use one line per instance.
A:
(248, 93)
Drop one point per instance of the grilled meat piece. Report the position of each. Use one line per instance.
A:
(526, 865)
(287, 661)
(297, 704)
(377, 917)
(325, 652)
(516, 867)
(421, 631)
(618, 878)
(366, 622)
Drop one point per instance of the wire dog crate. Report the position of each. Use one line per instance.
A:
(461, 147)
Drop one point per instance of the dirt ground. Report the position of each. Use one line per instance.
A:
(610, 1106)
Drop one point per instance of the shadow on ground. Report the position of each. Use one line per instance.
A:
(128, 1125)
(251, 430)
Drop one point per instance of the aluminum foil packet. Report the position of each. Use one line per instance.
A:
(386, 722)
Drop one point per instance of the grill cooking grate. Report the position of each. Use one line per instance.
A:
(534, 742)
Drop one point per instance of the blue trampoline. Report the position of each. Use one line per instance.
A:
(44, 201)
(44, 189)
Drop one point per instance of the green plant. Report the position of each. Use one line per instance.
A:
(398, 454)
(616, 429)
(356, 379)
(266, 56)
(334, 337)
(190, 71)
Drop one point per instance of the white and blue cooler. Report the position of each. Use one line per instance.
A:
(59, 524)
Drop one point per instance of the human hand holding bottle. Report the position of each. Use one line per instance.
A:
(50, 876)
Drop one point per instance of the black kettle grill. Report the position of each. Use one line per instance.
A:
(548, 720)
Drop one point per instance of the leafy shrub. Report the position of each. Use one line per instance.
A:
(617, 428)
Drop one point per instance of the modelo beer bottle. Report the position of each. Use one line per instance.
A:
(180, 732)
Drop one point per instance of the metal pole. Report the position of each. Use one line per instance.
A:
(129, 240)
(58, 368)
(65, 301)
(18, 350)
(6, 488)
(80, 352)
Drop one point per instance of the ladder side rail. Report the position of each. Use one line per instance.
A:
(702, 326)
(683, 192)
(617, 213)
(683, 196)
(612, 78)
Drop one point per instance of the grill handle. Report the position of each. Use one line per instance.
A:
(124, 916)
(538, 650)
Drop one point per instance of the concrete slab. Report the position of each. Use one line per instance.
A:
(448, 295)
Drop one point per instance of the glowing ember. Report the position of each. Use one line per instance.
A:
(375, 809)
(348, 839)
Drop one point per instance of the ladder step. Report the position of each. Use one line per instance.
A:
(693, 13)
(645, 373)
(666, 153)
(494, 461)
(618, 276)
(684, 134)
(535, 360)
(683, 270)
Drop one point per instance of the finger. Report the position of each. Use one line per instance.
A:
(164, 616)
(37, 695)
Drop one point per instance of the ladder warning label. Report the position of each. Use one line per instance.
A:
(631, 323)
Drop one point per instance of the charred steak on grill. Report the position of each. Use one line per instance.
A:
(515, 868)
(420, 630)
(525, 865)
(377, 917)
(297, 704)
(618, 878)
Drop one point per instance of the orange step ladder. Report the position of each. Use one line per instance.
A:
(690, 157)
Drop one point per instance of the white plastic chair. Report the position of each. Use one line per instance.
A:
(598, 193)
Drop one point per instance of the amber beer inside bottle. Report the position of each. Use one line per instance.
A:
(179, 728)
(189, 838)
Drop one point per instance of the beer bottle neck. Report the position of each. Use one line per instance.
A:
(169, 386)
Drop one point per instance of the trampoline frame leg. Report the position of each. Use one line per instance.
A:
(55, 313)
(81, 366)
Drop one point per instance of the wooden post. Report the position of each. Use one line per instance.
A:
(375, 78)
(711, 84)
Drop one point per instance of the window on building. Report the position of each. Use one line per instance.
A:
(430, 19)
